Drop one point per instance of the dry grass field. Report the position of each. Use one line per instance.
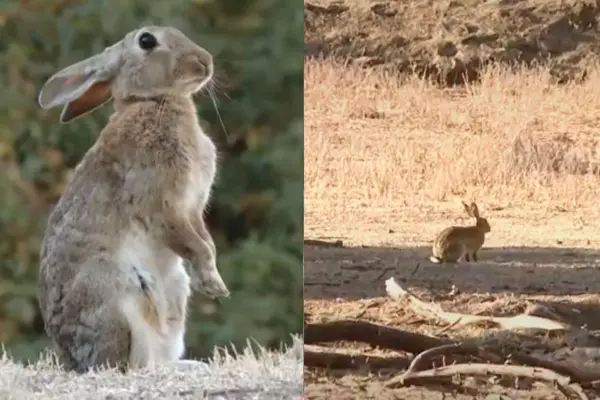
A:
(247, 376)
(388, 160)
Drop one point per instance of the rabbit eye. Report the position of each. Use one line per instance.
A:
(147, 41)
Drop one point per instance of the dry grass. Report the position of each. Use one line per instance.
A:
(374, 137)
(374, 142)
(270, 375)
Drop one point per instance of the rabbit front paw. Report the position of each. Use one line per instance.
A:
(210, 282)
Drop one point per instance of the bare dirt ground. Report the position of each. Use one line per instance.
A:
(388, 160)
(447, 39)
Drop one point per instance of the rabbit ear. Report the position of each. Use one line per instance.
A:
(93, 97)
(474, 210)
(467, 208)
(83, 86)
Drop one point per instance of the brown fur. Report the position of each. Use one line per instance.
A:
(111, 285)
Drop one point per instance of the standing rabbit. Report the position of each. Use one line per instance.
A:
(112, 286)
(458, 242)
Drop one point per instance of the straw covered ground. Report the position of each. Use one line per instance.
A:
(249, 375)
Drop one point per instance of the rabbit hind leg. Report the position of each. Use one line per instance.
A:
(97, 339)
(453, 253)
(177, 293)
(148, 329)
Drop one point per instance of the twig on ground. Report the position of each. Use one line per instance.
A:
(542, 374)
(385, 271)
(321, 284)
(445, 350)
(451, 325)
(434, 311)
(332, 360)
(495, 356)
(372, 303)
(398, 340)
(323, 243)
(414, 271)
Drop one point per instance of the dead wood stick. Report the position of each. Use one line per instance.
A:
(323, 243)
(496, 356)
(398, 340)
(331, 360)
(576, 374)
(434, 311)
(447, 350)
(450, 326)
(373, 334)
(541, 374)
(521, 371)
(485, 369)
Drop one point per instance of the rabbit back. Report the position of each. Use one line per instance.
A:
(451, 243)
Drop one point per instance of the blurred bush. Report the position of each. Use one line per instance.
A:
(256, 213)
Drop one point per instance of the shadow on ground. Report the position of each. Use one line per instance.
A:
(562, 282)
(352, 273)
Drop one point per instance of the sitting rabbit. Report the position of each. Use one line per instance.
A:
(113, 289)
(457, 242)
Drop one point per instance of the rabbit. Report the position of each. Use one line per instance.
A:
(458, 242)
(112, 287)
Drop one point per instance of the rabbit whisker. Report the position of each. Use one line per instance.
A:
(215, 104)
(220, 82)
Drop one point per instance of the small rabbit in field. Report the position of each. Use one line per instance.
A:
(112, 286)
(458, 242)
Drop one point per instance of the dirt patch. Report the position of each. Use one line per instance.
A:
(451, 40)
(348, 283)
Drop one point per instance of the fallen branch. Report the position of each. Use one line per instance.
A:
(306, 283)
(398, 340)
(323, 243)
(373, 334)
(541, 374)
(484, 369)
(426, 356)
(330, 360)
(576, 374)
(496, 356)
(330, 9)
(372, 303)
(450, 326)
(434, 311)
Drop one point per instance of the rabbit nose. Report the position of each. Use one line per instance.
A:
(204, 63)
(205, 69)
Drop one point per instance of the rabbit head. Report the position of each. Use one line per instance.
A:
(148, 62)
(481, 223)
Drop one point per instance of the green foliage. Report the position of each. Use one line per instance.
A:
(256, 210)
